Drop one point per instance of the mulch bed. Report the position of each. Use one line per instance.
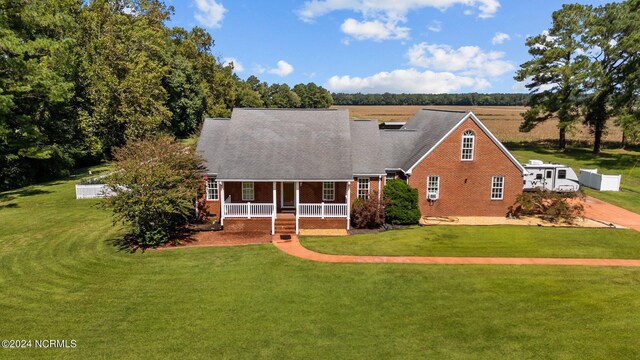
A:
(221, 238)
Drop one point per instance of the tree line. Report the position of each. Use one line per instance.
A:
(469, 99)
(80, 78)
(586, 68)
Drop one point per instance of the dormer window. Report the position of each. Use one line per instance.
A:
(468, 142)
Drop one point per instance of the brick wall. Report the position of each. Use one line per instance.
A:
(373, 186)
(311, 192)
(465, 186)
(262, 192)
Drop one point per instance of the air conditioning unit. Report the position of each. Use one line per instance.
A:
(432, 196)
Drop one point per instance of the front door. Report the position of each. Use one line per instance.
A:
(288, 195)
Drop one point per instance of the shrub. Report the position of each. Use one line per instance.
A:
(154, 189)
(551, 206)
(403, 206)
(368, 213)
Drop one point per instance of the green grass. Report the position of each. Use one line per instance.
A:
(610, 161)
(61, 278)
(498, 241)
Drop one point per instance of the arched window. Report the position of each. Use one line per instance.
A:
(468, 141)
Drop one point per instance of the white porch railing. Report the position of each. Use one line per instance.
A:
(323, 210)
(247, 210)
(93, 191)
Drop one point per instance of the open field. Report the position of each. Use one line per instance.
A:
(61, 278)
(503, 121)
(496, 241)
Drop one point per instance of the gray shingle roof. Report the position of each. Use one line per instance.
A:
(294, 144)
(284, 144)
(433, 125)
(366, 148)
(210, 142)
(397, 146)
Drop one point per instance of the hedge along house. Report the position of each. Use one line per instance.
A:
(282, 170)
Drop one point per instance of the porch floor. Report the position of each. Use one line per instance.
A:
(286, 215)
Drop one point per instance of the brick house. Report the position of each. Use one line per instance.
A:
(281, 170)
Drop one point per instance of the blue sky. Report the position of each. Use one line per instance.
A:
(374, 46)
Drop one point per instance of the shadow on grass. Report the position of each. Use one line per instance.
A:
(128, 243)
(9, 206)
(13, 194)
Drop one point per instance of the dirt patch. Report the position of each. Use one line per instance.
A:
(499, 220)
(221, 238)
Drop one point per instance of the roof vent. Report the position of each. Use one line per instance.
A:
(535, 162)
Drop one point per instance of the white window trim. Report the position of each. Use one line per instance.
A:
(493, 181)
(216, 187)
(332, 188)
(437, 185)
(253, 195)
(359, 188)
(468, 134)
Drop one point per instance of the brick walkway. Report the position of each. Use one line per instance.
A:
(603, 211)
(294, 248)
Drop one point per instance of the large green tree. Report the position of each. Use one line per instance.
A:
(555, 72)
(153, 190)
(313, 96)
(123, 68)
(38, 125)
(613, 38)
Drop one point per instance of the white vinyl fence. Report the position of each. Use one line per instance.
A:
(591, 178)
(92, 191)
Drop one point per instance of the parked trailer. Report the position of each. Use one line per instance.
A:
(553, 177)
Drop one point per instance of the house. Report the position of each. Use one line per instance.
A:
(282, 170)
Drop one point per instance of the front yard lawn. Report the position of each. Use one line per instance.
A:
(61, 278)
(491, 241)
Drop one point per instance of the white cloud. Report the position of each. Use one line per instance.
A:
(520, 86)
(374, 30)
(210, 13)
(467, 60)
(283, 69)
(391, 8)
(499, 38)
(237, 66)
(435, 26)
(405, 81)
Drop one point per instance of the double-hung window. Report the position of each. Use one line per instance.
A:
(363, 188)
(497, 188)
(328, 191)
(433, 187)
(247, 191)
(212, 189)
(468, 141)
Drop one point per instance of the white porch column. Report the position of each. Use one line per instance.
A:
(379, 181)
(348, 204)
(221, 185)
(297, 205)
(273, 215)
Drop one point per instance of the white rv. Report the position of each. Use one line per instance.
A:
(554, 177)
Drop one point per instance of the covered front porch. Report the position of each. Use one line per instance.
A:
(298, 204)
